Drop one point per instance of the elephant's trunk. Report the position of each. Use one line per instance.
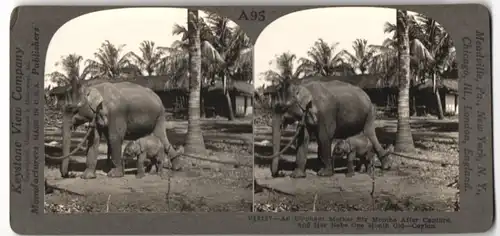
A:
(276, 129)
(66, 142)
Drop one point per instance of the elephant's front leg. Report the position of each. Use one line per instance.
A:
(301, 158)
(92, 151)
(324, 152)
(117, 131)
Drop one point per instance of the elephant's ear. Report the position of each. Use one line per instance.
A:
(94, 98)
(304, 97)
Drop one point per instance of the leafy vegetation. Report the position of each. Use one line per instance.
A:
(429, 49)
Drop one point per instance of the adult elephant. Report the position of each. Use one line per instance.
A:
(119, 111)
(331, 109)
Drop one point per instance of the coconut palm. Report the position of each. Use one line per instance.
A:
(110, 62)
(194, 139)
(226, 51)
(175, 64)
(385, 59)
(431, 50)
(70, 68)
(323, 61)
(439, 45)
(70, 75)
(233, 51)
(404, 138)
(362, 57)
(285, 68)
(150, 59)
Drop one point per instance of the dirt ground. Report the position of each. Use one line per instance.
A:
(200, 187)
(408, 186)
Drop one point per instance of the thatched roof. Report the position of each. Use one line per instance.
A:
(236, 86)
(160, 84)
(363, 81)
(449, 85)
(374, 81)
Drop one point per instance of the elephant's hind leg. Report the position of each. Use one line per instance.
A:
(369, 131)
(160, 131)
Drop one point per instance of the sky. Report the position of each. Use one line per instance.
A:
(297, 32)
(130, 26)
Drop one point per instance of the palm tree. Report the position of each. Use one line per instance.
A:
(404, 138)
(362, 57)
(70, 65)
(194, 139)
(439, 46)
(233, 53)
(70, 76)
(175, 64)
(150, 59)
(285, 66)
(111, 63)
(226, 52)
(323, 61)
(431, 51)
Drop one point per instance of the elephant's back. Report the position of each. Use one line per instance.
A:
(136, 100)
(340, 91)
(349, 105)
(138, 95)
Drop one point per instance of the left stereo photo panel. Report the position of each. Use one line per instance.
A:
(149, 110)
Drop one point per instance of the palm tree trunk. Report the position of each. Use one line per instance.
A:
(202, 105)
(230, 115)
(194, 138)
(438, 97)
(404, 139)
(246, 105)
(414, 106)
(230, 112)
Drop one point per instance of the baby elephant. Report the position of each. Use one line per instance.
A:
(147, 147)
(358, 146)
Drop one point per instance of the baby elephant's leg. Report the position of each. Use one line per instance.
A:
(359, 164)
(161, 160)
(140, 165)
(350, 164)
(149, 168)
(152, 163)
(369, 161)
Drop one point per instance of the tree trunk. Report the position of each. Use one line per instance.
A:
(404, 139)
(230, 113)
(414, 105)
(246, 104)
(194, 139)
(202, 105)
(438, 97)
